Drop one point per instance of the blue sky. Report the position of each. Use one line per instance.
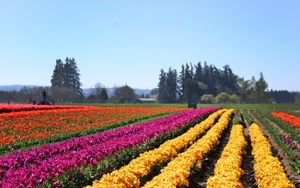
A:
(118, 42)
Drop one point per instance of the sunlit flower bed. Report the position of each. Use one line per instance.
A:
(228, 170)
(294, 121)
(27, 126)
(268, 170)
(129, 175)
(35, 166)
(178, 170)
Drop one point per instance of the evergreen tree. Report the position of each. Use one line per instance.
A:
(218, 79)
(67, 74)
(229, 80)
(182, 82)
(162, 92)
(171, 86)
(206, 77)
(198, 77)
(188, 85)
(72, 76)
(189, 90)
(66, 86)
(211, 80)
(58, 74)
(168, 86)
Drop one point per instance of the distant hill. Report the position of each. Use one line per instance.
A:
(14, 87)
(86, 91)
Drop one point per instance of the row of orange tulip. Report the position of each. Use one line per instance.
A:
(129, 175)
(21, 127)
(294, 121)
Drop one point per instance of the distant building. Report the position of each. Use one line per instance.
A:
(146, 100)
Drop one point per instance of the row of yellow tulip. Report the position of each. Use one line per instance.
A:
(228, 168)
(268, 170)
(178, 170)
(129, 175)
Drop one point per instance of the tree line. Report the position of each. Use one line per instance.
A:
(193, 83)
(208, 84)
(66, 88)
(98, 94)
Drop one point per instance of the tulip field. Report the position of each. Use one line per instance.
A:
(147, 146)
(294, 121)
(49, 124)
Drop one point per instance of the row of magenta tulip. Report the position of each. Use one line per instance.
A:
(35, 166)
(268, 170)
(131, 174)
(228, 169)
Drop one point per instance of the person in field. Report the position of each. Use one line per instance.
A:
(29, 100)
(44, 98)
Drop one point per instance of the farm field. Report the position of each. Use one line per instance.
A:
(48, 124)
(153, 94)
(150, 146)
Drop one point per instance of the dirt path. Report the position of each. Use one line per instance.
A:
(248, 179)
(278, 152)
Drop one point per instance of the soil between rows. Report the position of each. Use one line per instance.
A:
(248, 178)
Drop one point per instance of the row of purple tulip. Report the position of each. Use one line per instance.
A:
(27, 169)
